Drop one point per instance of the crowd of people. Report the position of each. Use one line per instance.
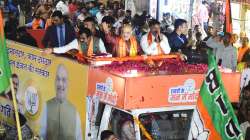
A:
(97, 29)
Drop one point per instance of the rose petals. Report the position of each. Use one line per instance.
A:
(168, 66)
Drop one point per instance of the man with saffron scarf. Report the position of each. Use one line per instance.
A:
(87, 45)
(126, 44)
(154, 42)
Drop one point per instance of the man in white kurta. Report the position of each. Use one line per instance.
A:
(154, 42)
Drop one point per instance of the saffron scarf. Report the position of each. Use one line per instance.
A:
(36, 23)
(122, 47)
(90, 47)
(150, 41)
(86, 50)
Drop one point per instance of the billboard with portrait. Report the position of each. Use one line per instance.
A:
(50, 91)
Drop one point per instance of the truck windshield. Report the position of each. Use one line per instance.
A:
(169, 125)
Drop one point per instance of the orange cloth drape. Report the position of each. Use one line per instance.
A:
(228, 22)
(122, 47)
(241, 53)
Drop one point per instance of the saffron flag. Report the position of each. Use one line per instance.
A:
(214, 118)
(5, 71)
(228, 16)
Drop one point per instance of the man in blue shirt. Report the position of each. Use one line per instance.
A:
(177, 39)
(93, 9)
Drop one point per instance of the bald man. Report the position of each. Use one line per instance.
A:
(60, 119)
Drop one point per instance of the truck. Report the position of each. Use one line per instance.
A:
(120, 96)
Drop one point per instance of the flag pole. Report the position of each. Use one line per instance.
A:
(16, 110)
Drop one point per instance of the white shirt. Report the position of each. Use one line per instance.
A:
(81, 17)
(152, 49)
(203, 13)
(74, 45)
(244, 127)
(99, 17)
(118, 25)
(61, 6)
(43, 122)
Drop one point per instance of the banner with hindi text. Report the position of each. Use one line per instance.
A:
(41, 83)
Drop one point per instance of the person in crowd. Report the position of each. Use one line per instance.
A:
(235, 39)
(244, 110)
(116, 6)
(126, 44)
(87, 45)
(100, 14)
(79, 6)
(128, 15)
(119, 21)
(61, 6)
(60, 33)
(216, 41)
(82, 15)
(11, 8)
(90, 23)
(110, 37)
(48, 22)
(108, 135)
(127, 130)
(210, 33)
(154, 42)
(11, 26)
(72, 6)
(63, 123)
(93, 9)
(37, 23)
(203, 15)
(44, 10)
(242, 35)
(91, 45)
(140, 26)
(166, 22)
(240, 40)
(177, 39)
(199, 45)
(226, 54)
(197, 29)
(24, 37)
(191, 41)
(30, 11)
(244, 49)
